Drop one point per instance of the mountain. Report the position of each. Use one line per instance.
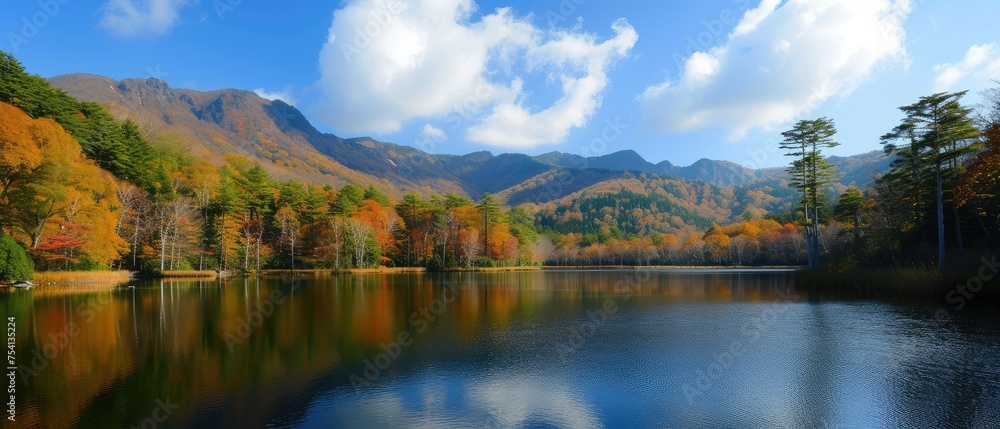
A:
(216, 124)
(721, 173)
(860, 170)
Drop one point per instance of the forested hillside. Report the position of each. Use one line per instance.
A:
(156, 179)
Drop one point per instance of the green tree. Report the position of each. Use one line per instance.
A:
(939, 134)
(848, 209)
(454, 200)
(490, 212)
(376, 195)
(15, 265)
(810, 172)
(412, 210)
(348, 200)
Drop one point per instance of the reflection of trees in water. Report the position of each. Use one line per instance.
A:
(173, 346)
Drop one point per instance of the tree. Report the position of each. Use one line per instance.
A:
(848, 209)
(336, 240)
(46, 183)
(288, 225)
(348, 199)
(361, 239)
(940, 133)
(470, 244)
(15, 265)
(490, 212)
(412, 210)
(376, 195)
(979, 186)
(810, 172)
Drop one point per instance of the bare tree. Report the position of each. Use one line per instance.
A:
(337, 228)
(289, 226)
(471, 246)
(359, 233)
(542, 249)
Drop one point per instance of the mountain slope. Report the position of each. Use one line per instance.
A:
(218, 123)
(215, 124)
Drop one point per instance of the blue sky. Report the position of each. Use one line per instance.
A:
(671, 80)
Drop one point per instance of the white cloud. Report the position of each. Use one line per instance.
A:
(136, 18)
(432, 133)
(387, 62)
(981, 63)
(276, 95)
(780, 62)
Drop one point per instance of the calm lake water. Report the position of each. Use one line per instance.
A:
(652, 348)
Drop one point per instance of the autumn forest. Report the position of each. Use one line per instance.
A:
(83, 189)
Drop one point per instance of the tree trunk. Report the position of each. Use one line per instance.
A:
(816, 249)
(940, 218)
(958, 232)
(809, 248)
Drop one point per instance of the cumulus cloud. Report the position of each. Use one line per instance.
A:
(276, 95)
(137, 18)
(780, 62)
(981, 62)
(432, 133)
(387, 62)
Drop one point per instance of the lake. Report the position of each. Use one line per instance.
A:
(626, 348)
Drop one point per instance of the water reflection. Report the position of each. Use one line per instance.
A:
(490, 350)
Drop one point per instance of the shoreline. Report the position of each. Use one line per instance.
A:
(83, 278)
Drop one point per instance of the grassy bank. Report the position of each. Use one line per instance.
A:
(324, 272)
(80, 277)
(904, 283)
(392, 270)
(205, 274)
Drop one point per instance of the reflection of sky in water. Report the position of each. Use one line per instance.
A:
(835, 365)
(434, 401)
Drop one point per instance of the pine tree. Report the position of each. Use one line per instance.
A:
(938, 134)
(810, 172)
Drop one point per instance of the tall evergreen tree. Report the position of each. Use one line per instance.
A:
(810, 172)
(938, 133)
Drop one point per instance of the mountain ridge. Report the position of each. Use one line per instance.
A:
(221, 122)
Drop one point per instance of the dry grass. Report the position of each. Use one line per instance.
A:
(382, 270)
(206, 274)
(81, 277)
(495, 269)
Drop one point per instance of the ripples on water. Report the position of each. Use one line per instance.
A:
(679, 349)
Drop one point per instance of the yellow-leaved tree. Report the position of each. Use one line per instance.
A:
(51, 196)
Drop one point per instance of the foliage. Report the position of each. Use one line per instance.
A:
(937, 134)
(15, 265)
(810, 172)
